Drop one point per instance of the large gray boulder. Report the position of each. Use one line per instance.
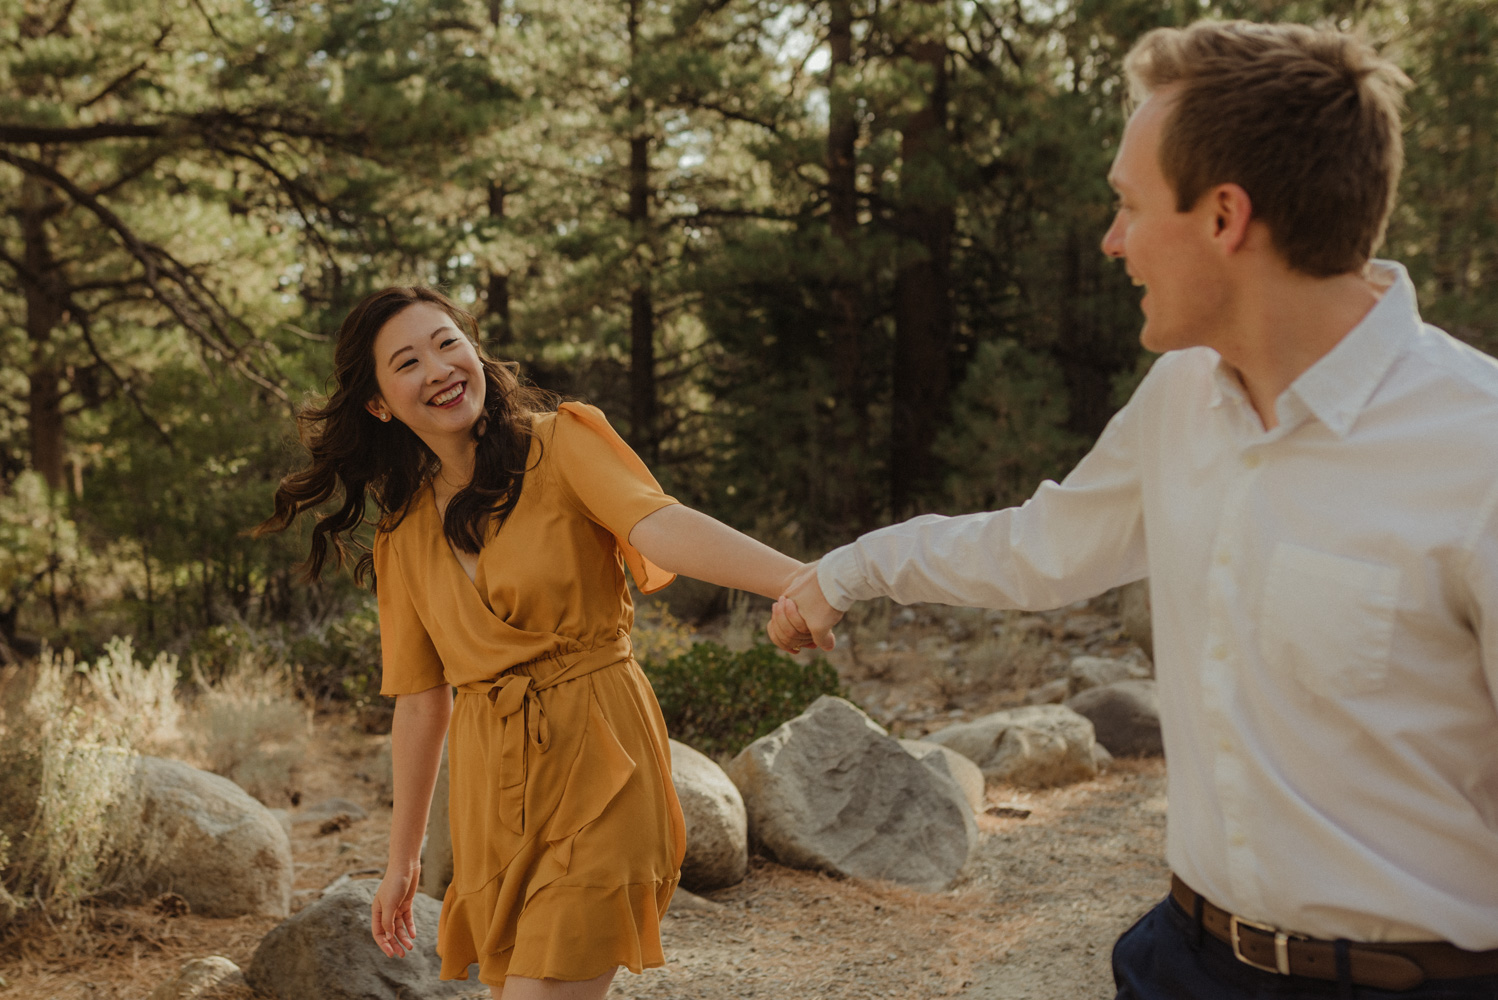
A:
(326, 952)
(717, 824)
(951, 765)
(831, 790)
(1125, 716)
(1036, 746)
(206, 839)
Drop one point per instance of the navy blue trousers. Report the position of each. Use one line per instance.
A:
(1160, 958)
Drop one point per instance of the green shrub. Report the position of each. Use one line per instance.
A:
(719, 701)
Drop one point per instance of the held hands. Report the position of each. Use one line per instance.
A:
(802, 617)
(391, 920)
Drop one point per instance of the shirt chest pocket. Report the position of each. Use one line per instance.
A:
(1328, 620)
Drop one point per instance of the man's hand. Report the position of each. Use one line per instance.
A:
(802, 616)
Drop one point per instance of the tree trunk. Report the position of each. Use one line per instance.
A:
(642, 389)
(850, 418)
(1086, 351)
(45, 290)
(923, 285)
(500, 332)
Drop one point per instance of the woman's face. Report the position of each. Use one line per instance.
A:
(429, 375)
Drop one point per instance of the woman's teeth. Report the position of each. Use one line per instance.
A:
(447, 397)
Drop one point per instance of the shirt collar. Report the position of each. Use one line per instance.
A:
(1338, 386)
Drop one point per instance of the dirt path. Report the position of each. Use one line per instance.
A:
(1033, 917)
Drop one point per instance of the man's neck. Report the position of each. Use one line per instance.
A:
(1284, 325)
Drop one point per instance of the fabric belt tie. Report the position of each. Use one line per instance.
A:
(1386, 966)
(514, 698)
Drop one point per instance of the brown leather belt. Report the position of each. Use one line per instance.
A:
(1401, 966)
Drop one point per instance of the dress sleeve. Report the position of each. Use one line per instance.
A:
(609, 484)
(409, 660)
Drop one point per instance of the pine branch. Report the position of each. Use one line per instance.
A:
(173, 284)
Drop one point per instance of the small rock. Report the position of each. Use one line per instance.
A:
(1086, 672)
(1125, 716)
(717, 824)
(831, 790)
(327, 810)
(1036, 746)
(684, 901)
(951, 765)
(1050, 693)
(197, 977)
(326, 952)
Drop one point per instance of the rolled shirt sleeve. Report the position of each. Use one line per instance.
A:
(1070, 540)
(408, 659)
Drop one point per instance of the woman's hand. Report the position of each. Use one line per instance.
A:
(802, 617)
(391, 921)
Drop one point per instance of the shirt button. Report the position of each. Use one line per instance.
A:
(1239, 840)
(1252, 460)
(1223, 558)
(1219, 652)
(1226, 744)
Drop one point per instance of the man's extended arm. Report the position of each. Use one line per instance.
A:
(1069, 541)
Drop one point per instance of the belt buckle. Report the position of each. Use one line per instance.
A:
(1281, 945)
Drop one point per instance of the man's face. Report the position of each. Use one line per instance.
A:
(1168, 253)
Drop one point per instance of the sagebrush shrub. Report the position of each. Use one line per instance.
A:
(719, 701)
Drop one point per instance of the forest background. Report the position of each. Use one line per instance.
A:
(825, 264)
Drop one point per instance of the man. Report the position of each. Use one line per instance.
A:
(1309, 478)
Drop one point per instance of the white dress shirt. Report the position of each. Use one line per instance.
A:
(1325, 619)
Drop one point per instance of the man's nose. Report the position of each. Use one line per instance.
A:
(1113, 241)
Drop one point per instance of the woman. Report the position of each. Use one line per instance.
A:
(505, 526)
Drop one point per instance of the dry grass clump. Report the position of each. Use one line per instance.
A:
(1006, 657)
(250, 727)
(68, 748)
(65, 771)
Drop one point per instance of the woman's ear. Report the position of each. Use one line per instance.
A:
(376, 407)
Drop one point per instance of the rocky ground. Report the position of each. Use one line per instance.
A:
(1057, 876)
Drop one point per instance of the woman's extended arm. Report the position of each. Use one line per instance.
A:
(687, 541)
(416, 736)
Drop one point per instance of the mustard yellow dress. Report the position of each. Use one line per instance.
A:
(567, 835)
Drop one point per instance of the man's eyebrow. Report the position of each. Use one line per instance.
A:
(401, 350)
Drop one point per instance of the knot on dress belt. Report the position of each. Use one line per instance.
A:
(524, 718)
(516, 699)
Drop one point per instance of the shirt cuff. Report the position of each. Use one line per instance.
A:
(840, 575)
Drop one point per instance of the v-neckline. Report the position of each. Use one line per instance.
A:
(472, 578)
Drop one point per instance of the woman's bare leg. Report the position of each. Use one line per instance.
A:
(521, 988)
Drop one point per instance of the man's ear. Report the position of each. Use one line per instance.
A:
(1231, 212)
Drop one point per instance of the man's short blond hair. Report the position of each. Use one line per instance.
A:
(1305, 120)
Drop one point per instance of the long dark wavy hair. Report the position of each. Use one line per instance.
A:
(350, 448)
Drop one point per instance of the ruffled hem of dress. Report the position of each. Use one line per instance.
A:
(565, 932)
